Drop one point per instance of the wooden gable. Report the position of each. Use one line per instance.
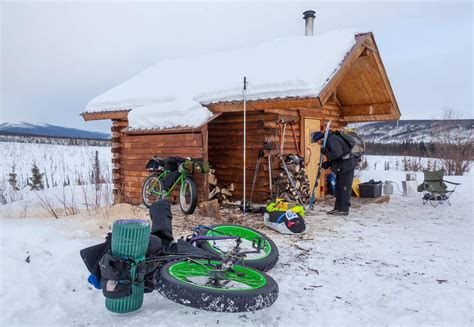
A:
(361, 86)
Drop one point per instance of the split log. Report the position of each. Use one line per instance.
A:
(230, 187)
(212, 179)
(210, 209)
(225, 192)
(214, 192)
(297, 173)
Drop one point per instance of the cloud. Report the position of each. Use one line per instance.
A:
(58, 56)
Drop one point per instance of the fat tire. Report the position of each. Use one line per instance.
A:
(264, 264)
(194, 197)
(215, 299)
(143, 188)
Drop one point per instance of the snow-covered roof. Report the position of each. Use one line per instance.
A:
(172, 92)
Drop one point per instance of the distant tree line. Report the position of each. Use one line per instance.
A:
(421, 149)
(54, 140)
(411, 149)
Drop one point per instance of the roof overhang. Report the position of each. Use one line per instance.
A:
(197, 129)
(360, 87)
(115, 114)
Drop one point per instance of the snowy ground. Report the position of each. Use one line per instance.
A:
(60, 164)
(399, 263)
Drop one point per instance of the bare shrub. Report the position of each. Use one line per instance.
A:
(453, 145)
(68, 202)
(412, 164)
(3, 187)
(85, 198)
(46, 203)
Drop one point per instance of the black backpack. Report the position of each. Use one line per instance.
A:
(356, 143)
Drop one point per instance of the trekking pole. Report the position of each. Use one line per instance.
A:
(244, 93)
(257, 169)
(283, 136)
(268, 146)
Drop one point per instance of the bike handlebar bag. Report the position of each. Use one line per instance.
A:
(172, 163)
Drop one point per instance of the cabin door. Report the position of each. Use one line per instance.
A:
(312, 150)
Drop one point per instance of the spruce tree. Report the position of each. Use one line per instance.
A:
(96, 171)
(12, 179)
(37, 178)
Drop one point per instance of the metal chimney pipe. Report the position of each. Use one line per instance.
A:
(308, 16)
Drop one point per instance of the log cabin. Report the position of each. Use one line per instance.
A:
(193, 107)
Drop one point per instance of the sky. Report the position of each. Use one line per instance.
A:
(57, 56)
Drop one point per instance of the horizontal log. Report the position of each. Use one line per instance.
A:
(159, 144)
(291, 113)
(118, 114)
(223, 120)
(287, 103)
(275, 125)
(184, 152)
(367, 118)
(120, 122)
(163, 138)
(367, 109)
(142, 159)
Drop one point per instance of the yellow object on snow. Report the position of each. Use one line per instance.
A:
(355, 187)
(282, 205)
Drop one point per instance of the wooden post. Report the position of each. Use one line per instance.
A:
(117, 168)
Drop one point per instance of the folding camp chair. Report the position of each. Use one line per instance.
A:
(434, 188)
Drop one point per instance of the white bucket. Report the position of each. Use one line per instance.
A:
(409, 188)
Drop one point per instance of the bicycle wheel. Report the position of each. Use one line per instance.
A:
(152, 190)
(263, 260)
(188, 196)
(189, 283)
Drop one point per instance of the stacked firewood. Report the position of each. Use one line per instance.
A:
(216, 191)
(296, 168)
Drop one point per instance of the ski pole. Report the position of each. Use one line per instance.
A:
(244, 92)
(320, 164)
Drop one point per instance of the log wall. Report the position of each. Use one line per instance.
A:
(226, 142)
(135, 151)
(221, 143)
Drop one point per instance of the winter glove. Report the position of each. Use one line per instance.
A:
(326, 164)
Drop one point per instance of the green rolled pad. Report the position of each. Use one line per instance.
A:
(130, 238)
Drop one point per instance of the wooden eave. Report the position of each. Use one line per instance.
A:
(365, 46)
(176, 130)
(346, 64)
(116, 114)
(295, 103)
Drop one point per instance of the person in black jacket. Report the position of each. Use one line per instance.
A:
(337, 153)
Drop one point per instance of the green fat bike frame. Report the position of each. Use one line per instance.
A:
(167, 193)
